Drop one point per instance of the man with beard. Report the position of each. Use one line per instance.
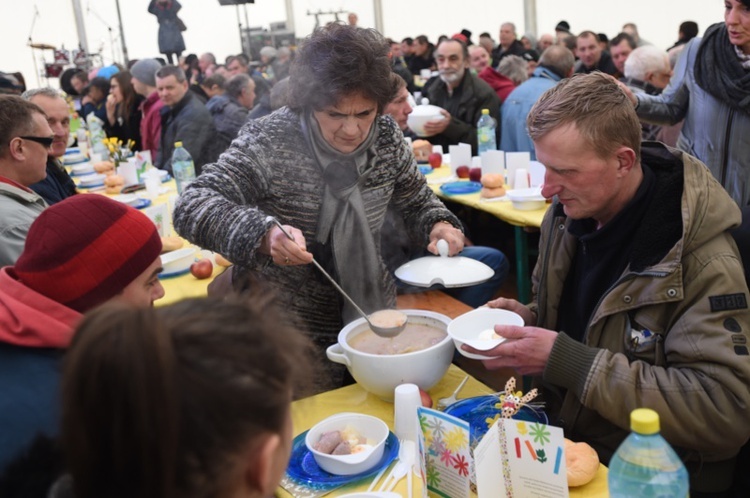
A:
(461, 94)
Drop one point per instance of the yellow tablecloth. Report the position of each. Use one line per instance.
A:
(503, 210)
(309, 411)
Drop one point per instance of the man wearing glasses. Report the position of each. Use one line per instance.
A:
(58, 185)
(25, 140)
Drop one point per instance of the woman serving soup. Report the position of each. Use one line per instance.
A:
(326, 166)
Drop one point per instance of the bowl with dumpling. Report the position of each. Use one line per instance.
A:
(347, 443)
(477, 329)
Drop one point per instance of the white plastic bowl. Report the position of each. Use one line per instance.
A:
(466, 329)
(368, 426)
(421, 115)
(527, 199)
(380, 374)
(178, 261)
(129, 199)
(82, 168)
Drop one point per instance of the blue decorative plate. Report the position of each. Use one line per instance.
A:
(425, 169)
(180, 273)
(86, 173)
(304, 469)
(459, 188)
(477, 410)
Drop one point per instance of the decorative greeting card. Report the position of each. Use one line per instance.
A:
(159, 215)
(446, 453)
(521, 459)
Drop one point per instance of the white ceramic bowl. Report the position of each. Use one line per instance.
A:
(421, 115)
(527, 199)
(468, 327)
(380, 374)
(372, 428)
(178, 261)
(82, 168)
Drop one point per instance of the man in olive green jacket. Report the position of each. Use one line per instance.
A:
(640, 298)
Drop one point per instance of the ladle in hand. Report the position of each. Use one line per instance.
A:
(382, 331)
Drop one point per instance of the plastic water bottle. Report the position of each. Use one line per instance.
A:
(182, 167)
(645, 465)
(486, 132)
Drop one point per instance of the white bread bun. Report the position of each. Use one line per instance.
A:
(422, 149)
(582, 463)
(492, 180)
(489, 193)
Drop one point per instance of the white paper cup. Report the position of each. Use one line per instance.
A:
(406, 400)
(521, 180)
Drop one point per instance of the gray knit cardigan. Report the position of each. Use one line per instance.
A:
(269, 170)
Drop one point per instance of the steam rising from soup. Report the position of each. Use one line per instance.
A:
(415, 337)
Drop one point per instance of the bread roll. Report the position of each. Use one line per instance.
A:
(114, 181)
(492, 180)
(221, 260)
(104, 166)
(171, 244)
(489, 193)
(582, 463)
(422, 149)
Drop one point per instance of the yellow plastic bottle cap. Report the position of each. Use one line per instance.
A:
(485, 111)
(178, 144)
(644, 421)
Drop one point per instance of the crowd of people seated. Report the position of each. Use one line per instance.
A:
(639, 292)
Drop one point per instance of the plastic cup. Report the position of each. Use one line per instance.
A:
(406, 400)
(521, 179)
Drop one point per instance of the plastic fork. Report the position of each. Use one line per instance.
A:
(444, 403)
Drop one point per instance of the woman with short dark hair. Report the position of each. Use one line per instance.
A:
(327, 167)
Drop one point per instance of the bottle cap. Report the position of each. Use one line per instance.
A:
(485, 111)
(178, 144)
(644, 421)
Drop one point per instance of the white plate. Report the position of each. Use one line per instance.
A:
(82, 168)
(95, 179)
(433, 180)
(129, 199)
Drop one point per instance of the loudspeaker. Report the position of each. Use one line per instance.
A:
(235, 2)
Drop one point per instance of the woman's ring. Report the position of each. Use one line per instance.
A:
(286, 260)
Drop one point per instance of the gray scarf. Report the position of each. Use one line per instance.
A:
(342, 221)
(720, 72)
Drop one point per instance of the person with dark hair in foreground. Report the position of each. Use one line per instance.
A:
(203, 411)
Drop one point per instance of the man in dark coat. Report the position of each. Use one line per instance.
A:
(230, 110)
(185, 119)
(509, 44)
(593, 58)
(170, 36)
(462, 96)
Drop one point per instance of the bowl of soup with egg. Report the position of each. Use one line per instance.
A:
(420, 355)
(477, 329)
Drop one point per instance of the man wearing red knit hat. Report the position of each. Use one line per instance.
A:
(79, 253)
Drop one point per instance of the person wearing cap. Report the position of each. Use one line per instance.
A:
(509, 43)
(531, 57)
(562, 31)
(58, 184)
(80, 253)
(25, 138)
(143, 74)
(462, 96)
(592, 57)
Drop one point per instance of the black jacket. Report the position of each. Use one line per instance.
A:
(188, 122)
(57, 186)
(465, 107)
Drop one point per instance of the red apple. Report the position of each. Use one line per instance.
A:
(426, 399)
(435, 159)
(203, 268)
(475, 174)
(462, 172)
